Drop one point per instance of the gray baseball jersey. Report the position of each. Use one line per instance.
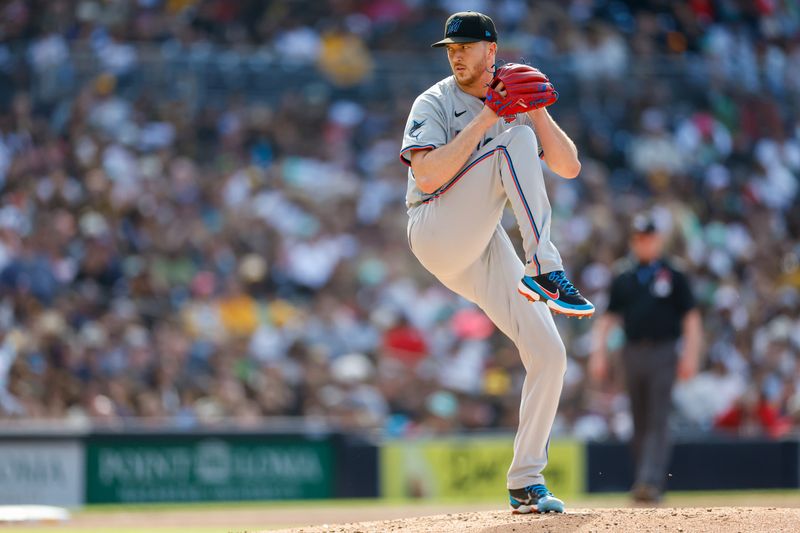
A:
(456, 235)
(436, 117)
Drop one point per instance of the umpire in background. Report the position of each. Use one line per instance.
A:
(654, 301)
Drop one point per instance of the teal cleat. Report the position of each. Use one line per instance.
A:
(534, 499)
(557, 292)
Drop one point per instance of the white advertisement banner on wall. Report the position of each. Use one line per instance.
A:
(41, 473)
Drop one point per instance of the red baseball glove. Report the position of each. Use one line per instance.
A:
(525, 87)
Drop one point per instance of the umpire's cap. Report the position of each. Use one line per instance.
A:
(468, 27)
(644, 223)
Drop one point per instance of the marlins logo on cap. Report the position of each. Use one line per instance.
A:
(468, 27)
(453, 26)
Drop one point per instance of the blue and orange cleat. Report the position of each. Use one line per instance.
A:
(534, 499)
(557, 292)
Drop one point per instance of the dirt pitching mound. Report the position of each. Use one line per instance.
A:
(702, 520)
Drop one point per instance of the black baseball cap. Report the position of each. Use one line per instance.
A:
(468, 27)
(644, 223)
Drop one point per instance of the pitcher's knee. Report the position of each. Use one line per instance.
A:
(553, 356)
(544, 354)
(521, 137)
(560, 359)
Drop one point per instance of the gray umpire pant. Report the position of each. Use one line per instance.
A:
(650, 369)
(458, 238)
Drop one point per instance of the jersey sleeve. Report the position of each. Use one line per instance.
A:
(684, 299)
(425, 128)
(616, 297)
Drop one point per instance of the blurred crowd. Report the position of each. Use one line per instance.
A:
(211, 258)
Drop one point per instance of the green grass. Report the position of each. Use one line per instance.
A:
(143, 529)
(681, 497)
(772, 498)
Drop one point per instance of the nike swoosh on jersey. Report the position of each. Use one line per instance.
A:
(457, 114)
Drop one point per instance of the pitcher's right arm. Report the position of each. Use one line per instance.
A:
(435, 167)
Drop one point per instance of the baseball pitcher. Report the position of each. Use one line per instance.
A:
(473, 142)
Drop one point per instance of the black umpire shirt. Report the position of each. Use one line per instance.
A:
(652, 300)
